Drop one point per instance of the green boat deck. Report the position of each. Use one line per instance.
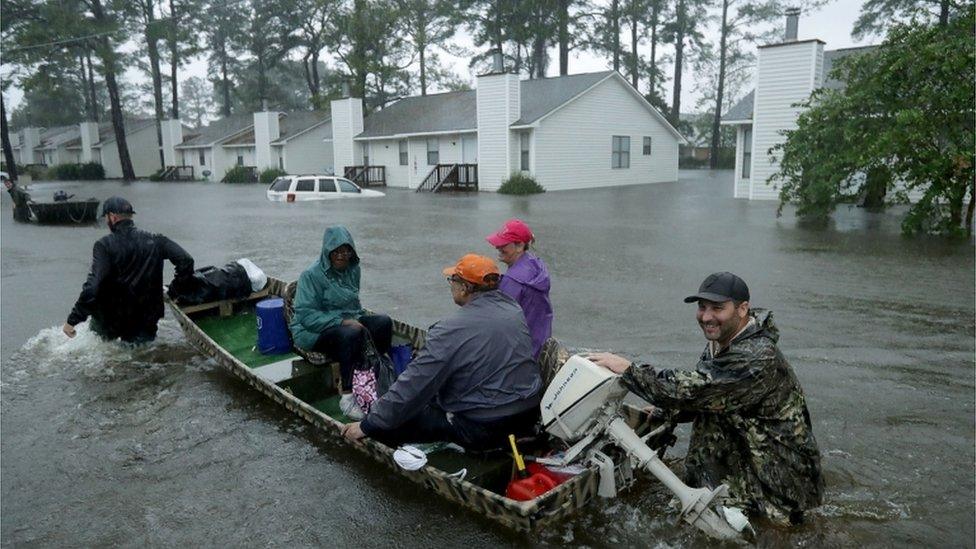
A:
(237, 334)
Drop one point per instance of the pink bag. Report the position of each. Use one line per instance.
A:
(364, 388)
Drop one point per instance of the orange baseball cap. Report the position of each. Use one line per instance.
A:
(472, 268)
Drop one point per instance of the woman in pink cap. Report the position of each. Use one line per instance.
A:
(527, 279)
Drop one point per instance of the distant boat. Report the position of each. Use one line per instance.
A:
(64, 212)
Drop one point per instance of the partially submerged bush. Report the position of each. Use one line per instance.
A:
(520, 183)
(270, 174)
(240, 174)
(74, 172)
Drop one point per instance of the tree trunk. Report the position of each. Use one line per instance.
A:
(8, 151)
(157, 79)
(679, 46)
(539, 56)
(118, 120)
(563, 18)
(91, 84)
(224, 80)
(633, 43)
(84, 86)
(308, 75)
(653, 71)
(720, 92)
(876, 183)
(422, 50)
(174, 60)
(615, 29)
(944, 13)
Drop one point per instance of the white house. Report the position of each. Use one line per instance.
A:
(787, 73)
(91, 142)
(290, 141)
(569, 132)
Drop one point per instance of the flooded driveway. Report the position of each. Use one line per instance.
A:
(103, 445)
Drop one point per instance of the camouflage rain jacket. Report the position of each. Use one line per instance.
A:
(751, 426)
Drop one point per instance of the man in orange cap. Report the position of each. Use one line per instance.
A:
(475, 381)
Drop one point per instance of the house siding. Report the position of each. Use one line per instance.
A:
(498, 107)
(787, 74)
(571, 149)
(309, 152)
(143, 152)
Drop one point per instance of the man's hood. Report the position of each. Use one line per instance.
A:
(335, 237)
(764, 325)
(530, 271)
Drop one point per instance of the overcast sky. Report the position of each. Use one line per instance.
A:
(832, 24)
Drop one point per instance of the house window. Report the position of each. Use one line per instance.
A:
(403, 152)
(747, 153)
(365, 154)
(433, 151)
(281, 163)
(203, 160)
(647, 146)
(240, 160)
(524, 151)
(620, 157)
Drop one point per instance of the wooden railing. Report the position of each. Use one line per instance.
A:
(454, 177)
(366, 176)
(177, 173)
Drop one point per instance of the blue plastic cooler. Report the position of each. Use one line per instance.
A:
(272, 331)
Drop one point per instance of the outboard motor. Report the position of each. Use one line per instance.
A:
(582, 407)
(61, 196)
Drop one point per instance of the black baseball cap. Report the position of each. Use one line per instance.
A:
(721, 287)
(117, 205)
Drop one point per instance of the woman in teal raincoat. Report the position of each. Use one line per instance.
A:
(328, 316)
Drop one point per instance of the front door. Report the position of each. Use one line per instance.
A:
(469, 149)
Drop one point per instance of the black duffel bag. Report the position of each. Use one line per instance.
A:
(211, 284)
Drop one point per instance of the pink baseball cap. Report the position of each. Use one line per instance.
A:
(514, 230)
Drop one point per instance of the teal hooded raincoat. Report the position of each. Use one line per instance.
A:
(325, 297)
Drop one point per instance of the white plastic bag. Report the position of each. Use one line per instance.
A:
(258, 279)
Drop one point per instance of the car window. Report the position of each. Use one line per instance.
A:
(281, 184)
(347, 186)
(305, 185)
(326, 185)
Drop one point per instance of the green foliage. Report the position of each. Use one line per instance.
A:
(270, 174)
(89, 171)
(36, 172)
(157, 175)
(240, 174)
(908, 107)
(520, 183)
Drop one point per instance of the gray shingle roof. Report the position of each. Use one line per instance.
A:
(828, 62)
(424, 113)
(456, 111)
(544, 95)
(218, 130)
(55, 137)
(742, 110)
(106, 132)
(296, 122)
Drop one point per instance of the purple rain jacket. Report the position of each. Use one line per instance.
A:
(527, 282)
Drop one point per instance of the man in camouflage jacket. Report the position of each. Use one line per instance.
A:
(751, 428)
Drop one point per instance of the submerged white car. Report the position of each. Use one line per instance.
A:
(292, 188)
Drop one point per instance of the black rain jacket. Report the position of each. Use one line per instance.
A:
(124, 289)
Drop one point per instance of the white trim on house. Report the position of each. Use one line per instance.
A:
(414, 134)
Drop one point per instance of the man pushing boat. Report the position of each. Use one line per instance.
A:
(474, 383)
(751, 427)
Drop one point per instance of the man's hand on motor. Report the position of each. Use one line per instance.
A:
(69, 330)
(615, 363)
(352, 432)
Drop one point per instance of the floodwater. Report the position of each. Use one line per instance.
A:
(105, 445)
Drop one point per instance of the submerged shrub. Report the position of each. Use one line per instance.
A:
(91, 171)
(520, 183)
(270, 174)
(240, 174)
